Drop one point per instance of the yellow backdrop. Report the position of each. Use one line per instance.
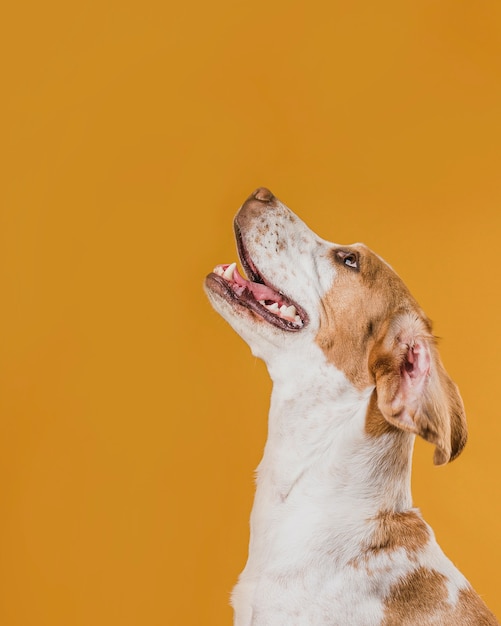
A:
(132, 417)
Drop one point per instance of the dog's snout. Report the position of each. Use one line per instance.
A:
(263, 195)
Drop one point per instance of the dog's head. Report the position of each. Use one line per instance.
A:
(303, 294)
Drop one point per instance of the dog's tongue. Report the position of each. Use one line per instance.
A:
(258, 290)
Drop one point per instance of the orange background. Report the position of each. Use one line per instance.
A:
(132, 417)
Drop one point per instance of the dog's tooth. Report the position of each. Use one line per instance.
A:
(283, 309)
(218, 270)
(261, 302)
(298, 320)
(290, 311)
(228, 273)
(273, 307)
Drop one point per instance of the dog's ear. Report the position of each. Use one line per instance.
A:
(414, 392)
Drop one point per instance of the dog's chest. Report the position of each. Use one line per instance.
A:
(312, 595)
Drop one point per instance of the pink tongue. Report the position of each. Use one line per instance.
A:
(259, 291)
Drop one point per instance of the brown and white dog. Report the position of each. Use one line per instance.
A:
(335, 539)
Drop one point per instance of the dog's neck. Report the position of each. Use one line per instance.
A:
(321, 473)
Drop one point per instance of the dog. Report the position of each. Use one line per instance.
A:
(335, 540)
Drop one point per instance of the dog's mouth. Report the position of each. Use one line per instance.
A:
(256, 294)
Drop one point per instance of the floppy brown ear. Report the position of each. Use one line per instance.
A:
(414, 392)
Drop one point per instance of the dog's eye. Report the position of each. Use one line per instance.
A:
(350, 259)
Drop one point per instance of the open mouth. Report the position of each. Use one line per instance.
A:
(255, 294)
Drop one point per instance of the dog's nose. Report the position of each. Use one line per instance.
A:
(263, 195)
(257, 204)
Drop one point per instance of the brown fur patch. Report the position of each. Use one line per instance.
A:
(459, 429)
(375, 424)
(395, 530)
(472, 611)
(416, 598)
(354, 309)
(421, 597)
